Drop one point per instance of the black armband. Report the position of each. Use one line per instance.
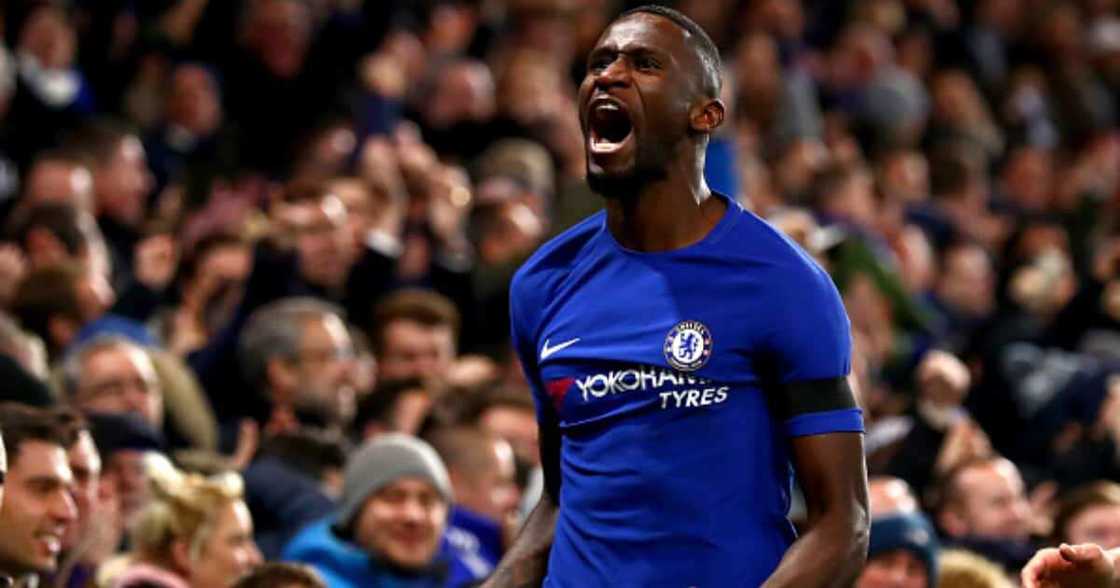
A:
(805, 396)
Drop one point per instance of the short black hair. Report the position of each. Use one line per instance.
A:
(21, 423)
(708, 53)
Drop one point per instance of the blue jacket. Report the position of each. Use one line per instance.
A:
(345, 565)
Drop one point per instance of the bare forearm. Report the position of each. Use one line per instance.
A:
(831, 554)
(526, 562)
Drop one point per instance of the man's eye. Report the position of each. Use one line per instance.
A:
(600, 63)
(646, 63)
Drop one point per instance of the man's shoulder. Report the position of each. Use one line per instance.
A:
(558, 255)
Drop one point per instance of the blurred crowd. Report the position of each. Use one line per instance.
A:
(255, 256)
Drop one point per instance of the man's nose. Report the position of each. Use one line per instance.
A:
(616, 73)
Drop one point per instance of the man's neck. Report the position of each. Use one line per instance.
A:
(664, 215)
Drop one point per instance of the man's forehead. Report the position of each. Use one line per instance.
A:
(40, 459)
(644, 30)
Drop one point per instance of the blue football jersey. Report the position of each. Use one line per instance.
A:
(656, 369)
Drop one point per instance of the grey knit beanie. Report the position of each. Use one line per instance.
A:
(382, 461)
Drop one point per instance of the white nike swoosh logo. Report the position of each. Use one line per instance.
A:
(547, 351)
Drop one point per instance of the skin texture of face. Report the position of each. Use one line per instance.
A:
(490, 490)
(1098, 524)
(37, 508)
(121, 184)
(228, 551)
(639, 71)
(894, 569)
(414, 350)
(324, 373)
(85, 464)
(516, 425)
(323, 242)
(889, 496)
(993, 502)
(402, 523)
(124, 480)
(120, 380)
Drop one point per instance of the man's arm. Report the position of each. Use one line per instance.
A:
(526, 562)
(833, 476)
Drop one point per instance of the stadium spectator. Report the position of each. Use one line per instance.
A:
(297, 354)
(194, 532)
(390, 522)
(38, 506)
(983, 507)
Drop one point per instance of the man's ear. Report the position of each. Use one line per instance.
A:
(707, 116)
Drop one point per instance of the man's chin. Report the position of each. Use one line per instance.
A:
(612, 185)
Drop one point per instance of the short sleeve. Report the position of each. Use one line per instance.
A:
(811, 347)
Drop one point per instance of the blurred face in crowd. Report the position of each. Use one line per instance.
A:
(322, 241)
(402, 523)
(516, 425)
(122, 181)
(227, 551)
(324, 379)
(1099, 523)
(1028, 179)
(194, 103)
(59, 181)
(990, 502)
(279, 34)
(120, 379)
(413, 350)
(894, 569)
(967, 281)
(48, 36)
(465, 92)
(123, 480)
(889, 495)
(85, 464)
(491, 488)
(37, 509)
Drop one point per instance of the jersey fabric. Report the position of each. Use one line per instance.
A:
(655, 368)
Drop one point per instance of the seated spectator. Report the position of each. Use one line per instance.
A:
(112, 375)
(484, 515)
(58, 177)
(889, 495)
(57, 302)
(1089, 514)
(51, 233)
(939, 432)
(395, 406)
(983, 507)
(297, 354)
(38, 505)
(84, 547)
(902, 554)
(281, 575)
(123, 441)
(389, 526)
(964, 569)
(195, 533)
(414, 335)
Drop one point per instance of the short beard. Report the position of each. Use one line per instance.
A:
(628, 184)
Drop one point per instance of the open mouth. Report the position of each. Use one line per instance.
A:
(609, 125)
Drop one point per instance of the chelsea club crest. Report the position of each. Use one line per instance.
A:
(688, 346)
